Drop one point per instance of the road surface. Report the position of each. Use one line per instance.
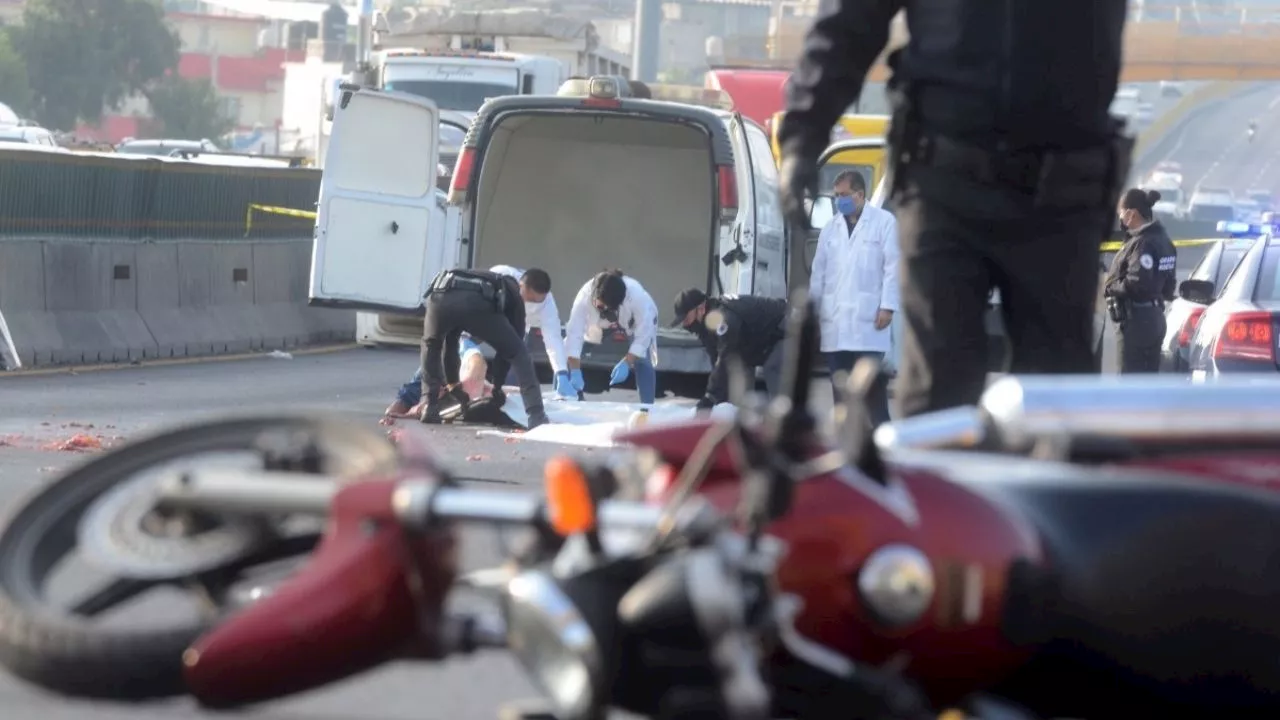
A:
(43, 410)
(1214, 149)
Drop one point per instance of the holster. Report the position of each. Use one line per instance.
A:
(1117, 310)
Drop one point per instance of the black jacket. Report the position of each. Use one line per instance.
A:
(1145, 269)
(1030, 73)
(507, 290)
(748, 327)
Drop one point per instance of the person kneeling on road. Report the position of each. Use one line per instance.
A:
(613, 300)
(753, 328)
(472, 377)
(489, 307)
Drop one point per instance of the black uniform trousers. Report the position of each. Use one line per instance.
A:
(454, 311)
(1139, 337)
(958, 237)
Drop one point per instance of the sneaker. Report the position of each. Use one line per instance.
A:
(460, 396)
(538, 418)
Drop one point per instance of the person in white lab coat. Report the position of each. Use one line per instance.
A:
(541, 317)
(616, 302)
(855, 284)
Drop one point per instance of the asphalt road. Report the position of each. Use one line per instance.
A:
(41, 411)
(1214, 149)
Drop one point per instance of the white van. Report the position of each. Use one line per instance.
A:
(673, 194)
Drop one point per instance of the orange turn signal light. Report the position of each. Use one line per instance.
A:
(569, 505)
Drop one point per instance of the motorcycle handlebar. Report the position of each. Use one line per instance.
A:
(418, 502)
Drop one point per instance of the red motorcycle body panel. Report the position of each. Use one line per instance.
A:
(837, 520)
(351, 608)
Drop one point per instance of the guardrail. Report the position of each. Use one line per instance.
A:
(117, 259)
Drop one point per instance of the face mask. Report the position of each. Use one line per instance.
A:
(845, 205)
(532, 308)
(610, 315)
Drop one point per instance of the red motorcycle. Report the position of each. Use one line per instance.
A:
(1072, 547)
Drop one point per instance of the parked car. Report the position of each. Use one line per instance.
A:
(1248, 211)
(1265, 199)
(1237, 332)
(1184, 313)
(165, 148)
(1211, 204)
(27, 135)
(677, 194)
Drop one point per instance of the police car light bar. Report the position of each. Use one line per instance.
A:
(1236, 228)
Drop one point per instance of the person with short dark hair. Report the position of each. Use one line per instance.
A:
(854, 281)
(748, 327)
(542, 318)
(618, 302)
(1143, 277)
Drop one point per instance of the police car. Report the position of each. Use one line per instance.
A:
(1209, 275)
(1237, 330)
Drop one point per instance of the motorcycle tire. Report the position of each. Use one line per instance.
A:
(64, 653)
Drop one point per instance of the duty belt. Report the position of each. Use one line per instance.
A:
(1026, 168)
(450, 281)
(1148, 303)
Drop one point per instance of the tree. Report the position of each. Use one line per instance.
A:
(15, 89)
(84, 55)
(188, 109)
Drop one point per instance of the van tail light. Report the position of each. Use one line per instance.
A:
(461, 179)
(727, 184)
(1188, 330)
(1246, 336)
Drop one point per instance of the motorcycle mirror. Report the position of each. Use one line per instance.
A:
(854, 419)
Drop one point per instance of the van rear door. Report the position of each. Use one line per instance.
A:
(380, 225)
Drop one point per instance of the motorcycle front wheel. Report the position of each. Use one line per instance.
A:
(121, 637)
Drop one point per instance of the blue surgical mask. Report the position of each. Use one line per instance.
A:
(845, 205)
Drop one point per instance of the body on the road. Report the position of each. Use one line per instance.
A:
(1143, 277)
(488, 306)
(854, 281)
(541, 314)
(1006, 166)
(743, 326)
(614, 300)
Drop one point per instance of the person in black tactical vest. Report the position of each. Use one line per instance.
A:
(1005, 167)
(1143, 277)
(489, 307)
(753, 328)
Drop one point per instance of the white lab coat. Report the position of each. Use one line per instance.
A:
(544, 315)
(855, 275)
(638, 316)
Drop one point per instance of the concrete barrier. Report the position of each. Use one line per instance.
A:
(71, 302)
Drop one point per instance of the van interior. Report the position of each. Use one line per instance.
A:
(577, 193)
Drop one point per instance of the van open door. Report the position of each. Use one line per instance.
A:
(378, 210)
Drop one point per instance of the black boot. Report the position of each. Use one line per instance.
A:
(431, 414)
(538, 417)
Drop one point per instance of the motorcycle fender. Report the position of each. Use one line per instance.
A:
(350, 608)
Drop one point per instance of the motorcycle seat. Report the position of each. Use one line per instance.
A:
(1164, 583)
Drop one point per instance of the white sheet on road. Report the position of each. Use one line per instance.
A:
(591, 423)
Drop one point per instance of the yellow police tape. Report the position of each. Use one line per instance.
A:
(1116, 245)
(273, 210)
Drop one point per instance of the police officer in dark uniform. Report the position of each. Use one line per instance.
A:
(753, 328)
(1005, 167)
(487, 306)
(1143, 277)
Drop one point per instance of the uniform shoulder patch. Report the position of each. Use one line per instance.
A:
(1146, 262)
(722, 328)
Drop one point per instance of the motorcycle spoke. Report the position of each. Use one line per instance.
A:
(115, 592)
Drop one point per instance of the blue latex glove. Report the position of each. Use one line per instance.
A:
(564, 386)
(575, 379)
(620, 373)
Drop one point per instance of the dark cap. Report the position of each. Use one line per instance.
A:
(687, 300)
